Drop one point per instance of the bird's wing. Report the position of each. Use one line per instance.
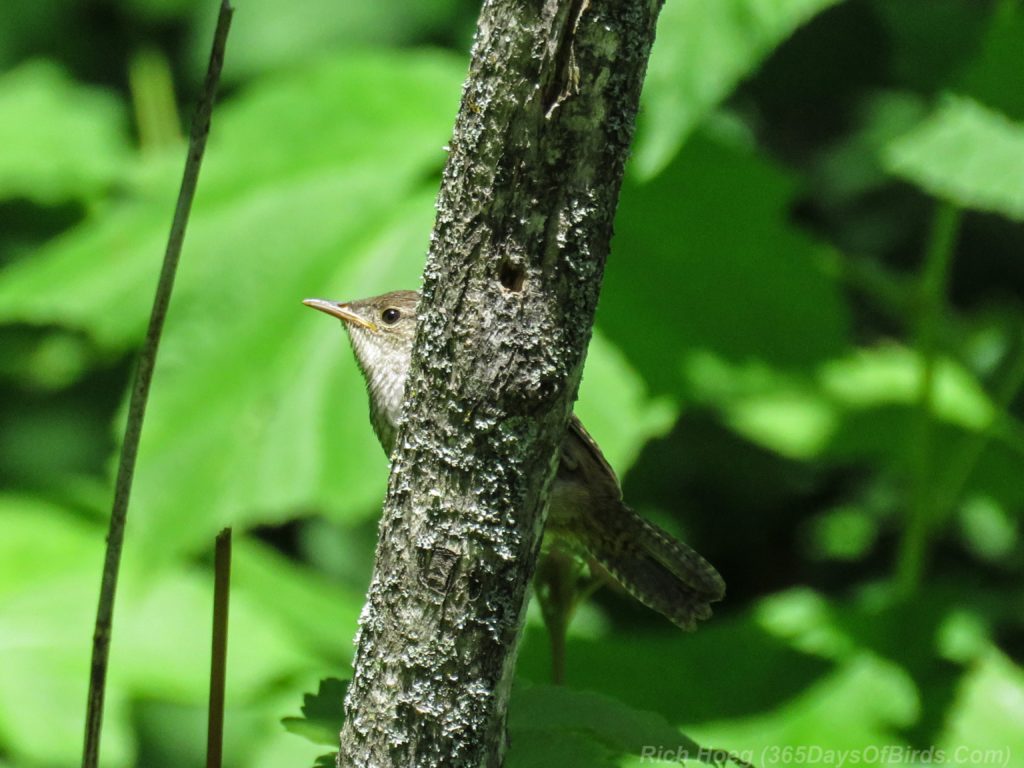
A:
(577, 441)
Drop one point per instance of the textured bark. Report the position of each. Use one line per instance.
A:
(510, 289)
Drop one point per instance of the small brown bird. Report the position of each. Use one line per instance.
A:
(586, 511)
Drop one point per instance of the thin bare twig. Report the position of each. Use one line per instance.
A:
(140, 393)
(219, 652)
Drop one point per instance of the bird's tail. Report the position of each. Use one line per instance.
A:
(658, 570)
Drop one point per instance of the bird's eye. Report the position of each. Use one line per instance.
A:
(390, 315)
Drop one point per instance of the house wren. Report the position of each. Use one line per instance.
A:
(585, 512)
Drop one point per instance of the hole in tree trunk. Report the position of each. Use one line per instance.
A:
(512, 277)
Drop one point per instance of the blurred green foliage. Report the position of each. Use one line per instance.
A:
(808, 361)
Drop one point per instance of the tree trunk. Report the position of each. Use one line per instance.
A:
(510, 289)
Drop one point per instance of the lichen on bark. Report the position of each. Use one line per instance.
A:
(524, 220)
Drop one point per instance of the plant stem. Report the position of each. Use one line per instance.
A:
(152, 91)
(140, 394)
(555, 586)
(934, 281)
(219, 651)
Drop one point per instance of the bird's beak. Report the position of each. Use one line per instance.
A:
(340, 311)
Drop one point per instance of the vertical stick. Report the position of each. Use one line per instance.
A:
(219, 651)
(524, 222)
(934, 280)
(140, 395)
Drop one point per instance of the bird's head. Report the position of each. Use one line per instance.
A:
(381, 329)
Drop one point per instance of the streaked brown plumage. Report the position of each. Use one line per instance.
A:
(586, 510)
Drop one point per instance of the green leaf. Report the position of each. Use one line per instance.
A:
(49, 359)
(987, 529)
(317, 610)
(967, 154)
(703, 50)
(891, 374)
(50, 564)
(990, 78)
(842, 533)
(615, 407)
(61, 140)
(694, 249)
(268, 37)
(541, 718)
(806, 620)
(323, 713)
(875, 698)
(162, 10)
(162, 648)
(260, 157)
(542, 711)
(780, 411)
(555, 749)
(683, 678)
(799, 416)
(330, 145)
(171, 733)
(49, 576)
(317, 183)
(984, 721)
